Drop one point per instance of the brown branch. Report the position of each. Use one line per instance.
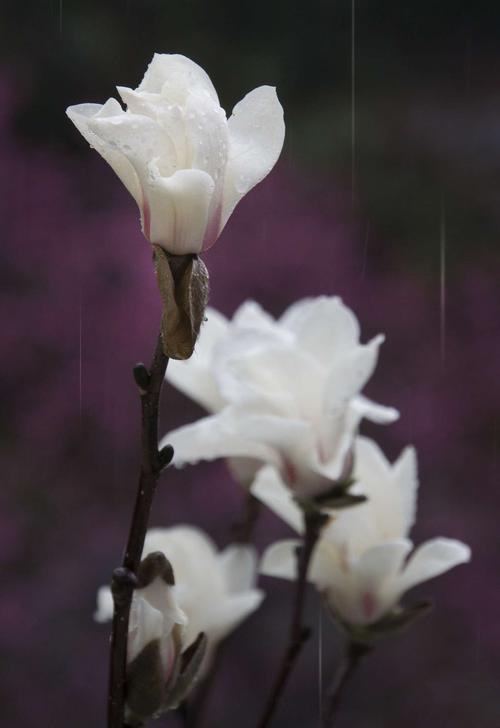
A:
(298, 633)
(124, 578)
(354, 653)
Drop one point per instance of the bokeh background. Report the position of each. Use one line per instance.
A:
(403, 224)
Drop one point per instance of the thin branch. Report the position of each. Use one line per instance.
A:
(354, 653)
(298, 633)
(124, 578)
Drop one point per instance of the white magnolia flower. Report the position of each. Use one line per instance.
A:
(284, 392)
(360, 563)
(216, 591)
(183, 162)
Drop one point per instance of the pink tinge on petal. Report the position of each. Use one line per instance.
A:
(369, 605)
(146, 218)
(290, 472)
(213, 229)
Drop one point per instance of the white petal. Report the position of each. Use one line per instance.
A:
(256, 135)
(406, 475)
(179, 207)
(145, 625)
(139, 138)
(323, 326)
(251, 315)
(173, 75)
(193, 376)
(372, 411)
(280, 560)
(207, 142)
(81, 116)
(381, 562)
(232, 612)
(432, 559)
(349, 374)
(285, 380)
(215, 437)
(105, 606)
(269, 488)
(238, 564)
(370, 462)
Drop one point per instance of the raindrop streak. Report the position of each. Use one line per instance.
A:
(320, 663)
(80, 351)
(353, 99)
(442, 285)
(60, 17)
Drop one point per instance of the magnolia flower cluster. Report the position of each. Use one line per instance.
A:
(185, 164)
(286, 403)
(285, 392)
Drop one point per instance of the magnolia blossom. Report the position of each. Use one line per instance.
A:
(183, 162)
(361, 562)
(284, 392)
(214, 590)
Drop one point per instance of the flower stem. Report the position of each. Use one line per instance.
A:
(124, 578)
(242, 529)
(298, 633)
(353, 654)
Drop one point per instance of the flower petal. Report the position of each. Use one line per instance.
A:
(323, 326)
(349, 373)
(171, 74)
(179, 207)
(105, 607)
(432, 559)
(145, 625)
(280, 560)
(378, 413)
(215, 437)
(81, 115)
(232, 611)
(269, 488)
(194, 376)
(238, 564)
(256, 134)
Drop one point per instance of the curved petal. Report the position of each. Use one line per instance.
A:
(349, 374)
(194, 376)
(256, 134)
(269, 488)
(179, 207)
(81, 115)
(280, 560)
(378, 413)
(232, 611)
(251, 315)
(145, 625)
(381, 562)
(215, 437)
(432, 559)
(171, 74)
(238, 564)
(323, 326)
(207, 144)
(105, 607)
(138, 138)
(406, 475)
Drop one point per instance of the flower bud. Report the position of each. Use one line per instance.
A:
(183, 284)
(159, 673)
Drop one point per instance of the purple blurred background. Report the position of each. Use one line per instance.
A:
(80, 307)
